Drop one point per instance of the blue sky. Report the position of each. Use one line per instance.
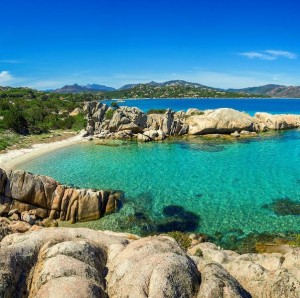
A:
(232, 43)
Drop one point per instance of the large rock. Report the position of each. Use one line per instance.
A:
(262, 275)
(67, 262)
(76, 261)
(222, 121)
(126, 118)
(217, 282)
(37, 196)
(152, 267)
(36, 263)
(267, 121)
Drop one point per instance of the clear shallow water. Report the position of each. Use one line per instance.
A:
(224, 183)
(249, 105)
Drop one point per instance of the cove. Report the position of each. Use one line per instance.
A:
(207, 185)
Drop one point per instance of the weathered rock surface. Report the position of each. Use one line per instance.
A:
(136, 124)
(217, 282)
(267, 121)
(220, 121)
(153, 267)
(67, 262)
(262, 275)
(32, 197)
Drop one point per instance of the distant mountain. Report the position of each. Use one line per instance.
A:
(98, 87)
(167, 83)
(128, 86)
(285, 92)
(271, 90)
(256, 90)
(173, 89)
(81, 89)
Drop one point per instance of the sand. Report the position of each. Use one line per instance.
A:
(14, 158)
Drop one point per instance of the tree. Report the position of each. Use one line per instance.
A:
(15, 120)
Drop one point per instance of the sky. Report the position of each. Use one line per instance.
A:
(224, 44)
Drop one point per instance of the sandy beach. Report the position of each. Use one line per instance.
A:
(12, 159)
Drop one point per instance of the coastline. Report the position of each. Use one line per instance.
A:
(13, 158)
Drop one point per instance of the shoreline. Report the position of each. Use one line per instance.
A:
(13, 158)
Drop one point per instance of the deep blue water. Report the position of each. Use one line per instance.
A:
(251, 106)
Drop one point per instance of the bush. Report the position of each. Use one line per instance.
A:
(197, 113)
(79, 122)
(198, 253)
(156, 111)
(15, 120)
(182, 239)
(296, 241)
(114, 105)
(109, 114)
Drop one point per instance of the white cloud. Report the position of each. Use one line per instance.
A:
(5, 77)
(278, 53)
(11, 61)
(269, 55)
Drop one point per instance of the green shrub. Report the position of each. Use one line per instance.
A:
(8, 138)
(15, 120)
(197, 113)
(109, 114)
(296, 241)
(114, 105)
(198, 253)
(79, 122)
(182, 239)
(156, 111)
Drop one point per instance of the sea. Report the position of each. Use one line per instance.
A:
(220, 187)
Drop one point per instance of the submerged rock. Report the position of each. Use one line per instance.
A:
(284, 206)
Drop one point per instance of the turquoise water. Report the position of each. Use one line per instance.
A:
(249, 105)
(222, 185)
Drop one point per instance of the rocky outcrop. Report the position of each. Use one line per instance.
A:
(67, 262)
(262, 275)
(34, 197)
(127, 123)
(265, 121)
(223, 121)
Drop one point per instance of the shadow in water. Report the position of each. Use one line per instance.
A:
(178, 219)
(175, 218)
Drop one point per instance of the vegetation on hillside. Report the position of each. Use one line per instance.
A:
(173, 91)
(25, 111)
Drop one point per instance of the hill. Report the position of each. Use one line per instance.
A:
(167, 83)
(173, 90)
(81, 89)
(272, 90)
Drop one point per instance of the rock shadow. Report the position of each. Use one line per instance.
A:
(176, 218)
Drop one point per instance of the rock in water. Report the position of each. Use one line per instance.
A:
(222, 121)
(35, 196)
